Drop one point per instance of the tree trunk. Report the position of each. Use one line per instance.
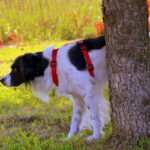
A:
(128, 61)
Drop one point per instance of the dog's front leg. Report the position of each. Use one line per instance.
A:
(78, 109)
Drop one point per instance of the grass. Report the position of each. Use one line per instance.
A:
(26, 123)
(49, 19)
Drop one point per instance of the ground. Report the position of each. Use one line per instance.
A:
(26, 123)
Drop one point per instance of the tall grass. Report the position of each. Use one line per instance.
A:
(49, 19)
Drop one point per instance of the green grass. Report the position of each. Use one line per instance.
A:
(49, 19)
(26, 123)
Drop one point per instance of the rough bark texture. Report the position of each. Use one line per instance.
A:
(128, 60)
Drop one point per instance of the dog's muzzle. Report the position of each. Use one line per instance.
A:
(6, 80)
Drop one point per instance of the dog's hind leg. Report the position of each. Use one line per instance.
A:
(92, 101)
(78, 110)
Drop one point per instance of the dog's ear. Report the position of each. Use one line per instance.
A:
(32, 65)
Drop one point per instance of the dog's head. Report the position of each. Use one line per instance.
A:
(32, 68)
(25, 69)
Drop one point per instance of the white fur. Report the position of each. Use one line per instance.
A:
(41, 86)
(84, 90)
(7, 80)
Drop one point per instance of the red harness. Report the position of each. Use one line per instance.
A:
(84, 51)
(53, 66)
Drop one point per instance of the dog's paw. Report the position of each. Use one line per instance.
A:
(70, 135)
(96, 137)
(73, 133)
(66, 139)
(92, 137)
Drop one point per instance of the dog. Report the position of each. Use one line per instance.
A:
(90, 108)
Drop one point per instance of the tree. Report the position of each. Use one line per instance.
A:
(128, 61)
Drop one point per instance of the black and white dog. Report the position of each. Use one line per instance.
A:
(90, 106)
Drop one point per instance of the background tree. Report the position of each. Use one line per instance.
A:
(128, 60)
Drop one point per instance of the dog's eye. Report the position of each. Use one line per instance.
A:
(15, 70)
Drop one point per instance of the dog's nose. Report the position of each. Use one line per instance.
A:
(2, 80)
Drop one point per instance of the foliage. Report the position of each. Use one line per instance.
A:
(49, 19)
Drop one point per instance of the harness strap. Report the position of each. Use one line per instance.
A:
(53, 64)
(84, 51)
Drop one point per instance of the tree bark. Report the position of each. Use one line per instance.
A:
(128, 61)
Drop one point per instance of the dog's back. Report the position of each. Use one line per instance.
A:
(72, 62)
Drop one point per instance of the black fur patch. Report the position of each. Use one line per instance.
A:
(75, 55)
(25, 68)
